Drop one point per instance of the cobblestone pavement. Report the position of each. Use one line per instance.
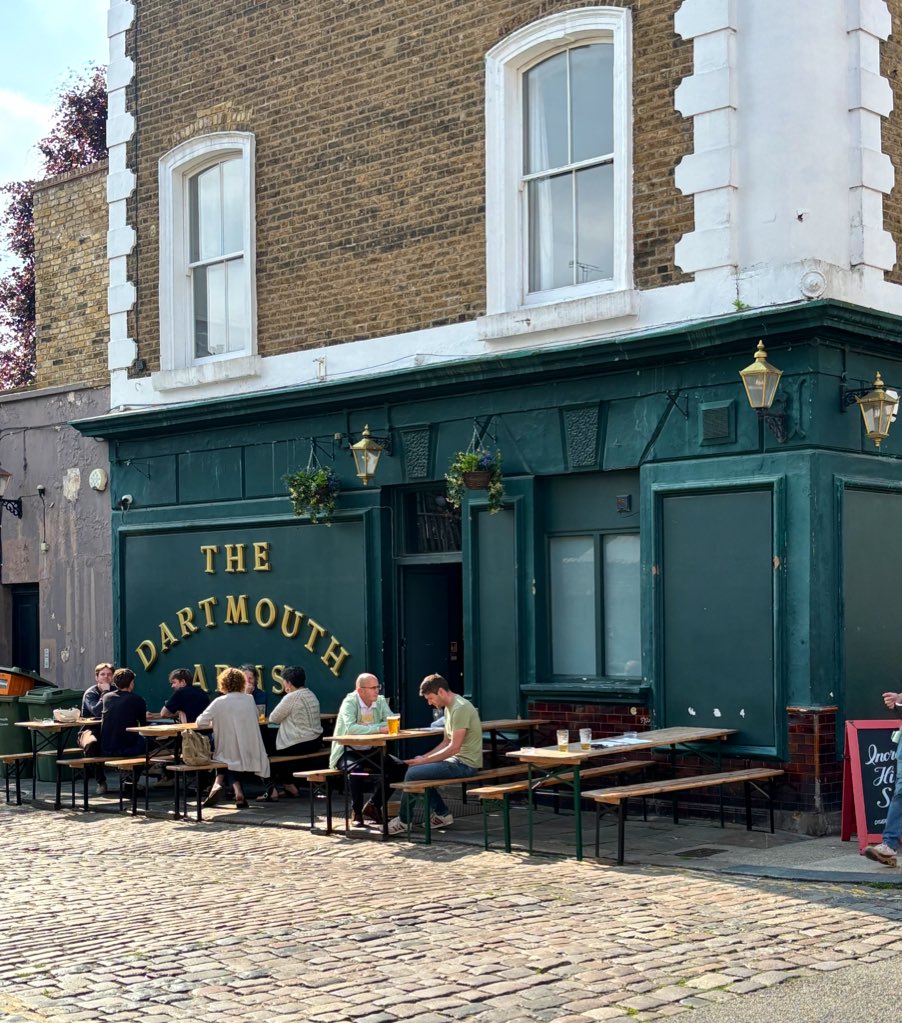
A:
(113, 919)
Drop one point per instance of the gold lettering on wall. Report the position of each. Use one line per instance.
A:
(200, 679)
(261, 557)
(186, 622)
(290, 631)
(167, 637)
(265, 613)
(236, 610)
(316, 633)
(234, 554)
(147, 653)
(206, 605)
(337, 658)
(209, 550)
(279, 682)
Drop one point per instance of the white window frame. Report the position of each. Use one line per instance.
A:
(507, 256)
(176, 168)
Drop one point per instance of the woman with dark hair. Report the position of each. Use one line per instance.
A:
(300, 729)
(236, 732)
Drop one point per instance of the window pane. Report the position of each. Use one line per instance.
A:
(573, 616)
(551, 232)
(232, 206)
(546, 115)
(592, 100)
(238, 325)
(201, 332)
(622, 641)
(209, 222)
(216, 309)
(595, 224)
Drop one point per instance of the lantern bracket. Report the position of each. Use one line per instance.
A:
(775, 419)
(849, 396)
(344, 440)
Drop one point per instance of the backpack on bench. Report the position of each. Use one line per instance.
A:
(196, 749)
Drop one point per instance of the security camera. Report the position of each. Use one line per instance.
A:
(126, 501)
(41, 490)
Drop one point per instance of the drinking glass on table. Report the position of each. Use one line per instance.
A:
(585, 738)
(394, 723)
(563, 740)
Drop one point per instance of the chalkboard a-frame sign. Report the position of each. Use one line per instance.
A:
(869, 775)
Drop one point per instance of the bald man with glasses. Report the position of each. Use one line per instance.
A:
(363, 712)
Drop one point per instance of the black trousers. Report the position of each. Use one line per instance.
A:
(353, 763)
(282, 773)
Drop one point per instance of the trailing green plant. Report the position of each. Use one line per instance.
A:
(313, 492)
(478, 460)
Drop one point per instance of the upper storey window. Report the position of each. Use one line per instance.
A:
(569, 167)
(207, 300)
(558, 162)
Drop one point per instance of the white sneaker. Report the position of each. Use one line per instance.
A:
(441, 820)
(882, 854)
(396, 826)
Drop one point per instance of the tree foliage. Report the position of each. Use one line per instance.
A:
(77, 139)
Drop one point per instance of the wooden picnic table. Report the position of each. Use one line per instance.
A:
(374, 750)
(528, 725)
(549, 762)
(46, 734)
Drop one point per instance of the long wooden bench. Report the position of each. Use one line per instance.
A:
(502, 793)
(320, 781)
(15, 763)
(178, 771)
(619, 796)
(419, 789)
(81, 764)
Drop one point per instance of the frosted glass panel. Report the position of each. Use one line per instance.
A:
(622, 640)
(573, 614)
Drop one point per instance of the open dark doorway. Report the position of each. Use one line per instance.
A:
(25, 631)
(431, 634)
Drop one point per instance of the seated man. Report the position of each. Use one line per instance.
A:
(91, 708)
(187, 700)
(250, 686)
(122, 709)
(363, 712)
(458, 755)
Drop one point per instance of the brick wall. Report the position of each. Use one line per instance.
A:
(70, 226)
(369, 122)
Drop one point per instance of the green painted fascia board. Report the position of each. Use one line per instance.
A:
(826, 319)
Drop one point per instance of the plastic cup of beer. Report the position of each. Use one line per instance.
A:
(585, 738)
(394, 723)
(563, 740)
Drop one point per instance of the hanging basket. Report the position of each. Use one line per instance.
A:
(477, 479)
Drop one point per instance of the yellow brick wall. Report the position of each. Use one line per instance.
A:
(369, 126)
(70, 226)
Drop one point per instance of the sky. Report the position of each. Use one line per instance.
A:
(43, 44)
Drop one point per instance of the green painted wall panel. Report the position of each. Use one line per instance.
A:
(718, 612)
(215, 475)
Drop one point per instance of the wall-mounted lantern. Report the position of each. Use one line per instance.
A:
(878, 405)
(760, 380)
(367, 452)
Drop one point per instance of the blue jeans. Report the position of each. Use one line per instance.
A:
(893, 827)
(449, 769)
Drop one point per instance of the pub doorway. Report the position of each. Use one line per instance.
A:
(431, 598)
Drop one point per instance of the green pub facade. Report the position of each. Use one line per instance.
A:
(560, 239)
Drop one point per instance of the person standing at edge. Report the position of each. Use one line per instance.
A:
(459, 755)
(886, 851)
(363, 712)
(92, 708)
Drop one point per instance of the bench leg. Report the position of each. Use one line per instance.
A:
(58, 801)
(200, 802)
(506, 810)
(722, 820)
(748, 805)
(427, 820)
(597, 829)
(621, 827)
(485, 823)
(771, 788)
(20, 767)
(84, 789)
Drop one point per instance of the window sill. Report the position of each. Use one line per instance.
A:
(584, 312)
(242, 366)
(597, 691)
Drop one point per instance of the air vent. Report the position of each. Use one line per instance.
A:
(717, 423)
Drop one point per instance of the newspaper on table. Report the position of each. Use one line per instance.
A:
(618, 740)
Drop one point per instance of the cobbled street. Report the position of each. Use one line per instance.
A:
(110, 918)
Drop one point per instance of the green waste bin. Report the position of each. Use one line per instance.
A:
(40, 703)
(13, 739)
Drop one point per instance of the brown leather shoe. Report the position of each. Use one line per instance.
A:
(372, 812)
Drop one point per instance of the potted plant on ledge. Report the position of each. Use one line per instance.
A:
(313, 492)
(478, 469)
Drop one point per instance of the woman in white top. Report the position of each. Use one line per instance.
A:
(300, 729)
(236, 734)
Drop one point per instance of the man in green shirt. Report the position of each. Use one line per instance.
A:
(458, 755)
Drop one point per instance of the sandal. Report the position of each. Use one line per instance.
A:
(242, 804)
(213, 797)
(271, 795)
